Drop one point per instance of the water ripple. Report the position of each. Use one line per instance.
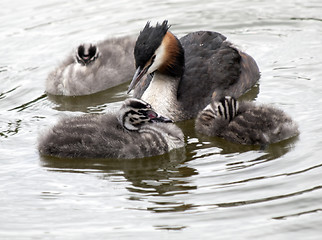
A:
(210, 188)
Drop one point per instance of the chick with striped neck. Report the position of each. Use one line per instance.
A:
(187, 71)
(136, 131)
(245, 123)
(93, 68)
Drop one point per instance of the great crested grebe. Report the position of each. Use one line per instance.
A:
(93, 68)
(136, 131)
(187, 71)
(245, 122)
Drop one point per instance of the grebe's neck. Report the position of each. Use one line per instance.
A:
(171, 56)
(162, 94)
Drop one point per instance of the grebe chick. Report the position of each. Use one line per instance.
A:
(187, 71)
(245, 123)
(93, 68)
(136, 131)
(86, 53)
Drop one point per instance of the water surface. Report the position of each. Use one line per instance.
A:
(212, 189)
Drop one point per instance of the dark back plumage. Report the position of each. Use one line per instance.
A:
(136, 131)
(208, 62)
(211, 64)
(245, 122)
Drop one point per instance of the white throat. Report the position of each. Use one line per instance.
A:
(159, 58)
(162, 94)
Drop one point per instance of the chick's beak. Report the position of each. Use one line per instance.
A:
(162, 119)
(139, 73)
(155, 117)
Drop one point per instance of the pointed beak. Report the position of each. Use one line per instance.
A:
(139, 73)
(155, 117)
(161, 119)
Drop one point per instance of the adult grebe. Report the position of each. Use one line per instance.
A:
(187, 72)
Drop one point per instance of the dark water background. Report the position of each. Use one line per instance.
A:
(213, 189)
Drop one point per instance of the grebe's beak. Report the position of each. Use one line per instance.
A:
(155, 117)
(139, 73)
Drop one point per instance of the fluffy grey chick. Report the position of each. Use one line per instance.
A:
(135, 131)
(93, 68)
(245, 122)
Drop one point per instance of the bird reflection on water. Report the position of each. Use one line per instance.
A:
(149, 177)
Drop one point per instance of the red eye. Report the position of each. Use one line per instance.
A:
(152, 114)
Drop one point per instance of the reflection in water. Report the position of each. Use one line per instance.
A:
(271, 198)
(28, 104)
(251, 95)
(168, 228)
(90, 103)
(11, 129)
(3, 94)
(150, 177)
(271, 152)
(298, 214)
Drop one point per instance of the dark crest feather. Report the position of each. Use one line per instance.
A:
(148, 41)
(138, 105)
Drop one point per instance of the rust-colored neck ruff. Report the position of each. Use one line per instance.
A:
(173, 63)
